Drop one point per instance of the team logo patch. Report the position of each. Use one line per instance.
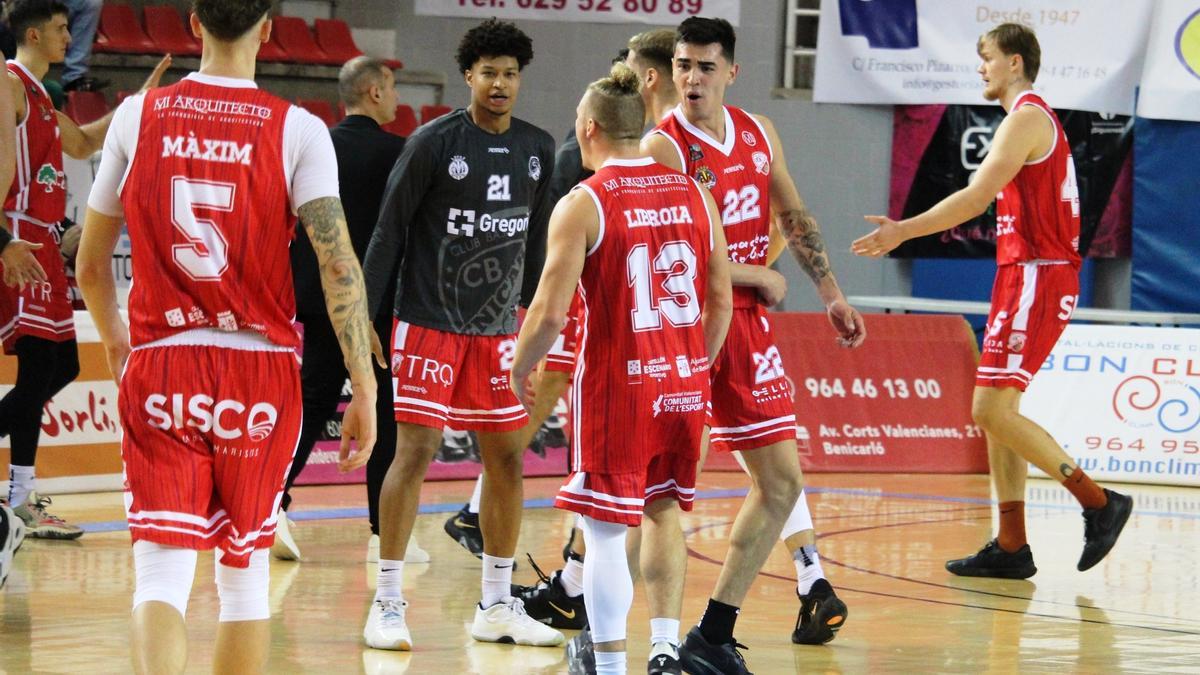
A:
(51, 178)
(1016, 342)
(695, 154)
(762, 163)
(706, 177)
(458, 167)
(535, 168)
(749, 139)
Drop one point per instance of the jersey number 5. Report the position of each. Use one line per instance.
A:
(676, 260)
(205, 255)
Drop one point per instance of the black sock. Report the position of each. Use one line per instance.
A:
(717, 623)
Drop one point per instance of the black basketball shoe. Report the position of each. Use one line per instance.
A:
(581, 654)
(463, 527)
(993, 561)
(821, 616)
(698, 656)
(663, 660)
(1102, 526)
(548, 602)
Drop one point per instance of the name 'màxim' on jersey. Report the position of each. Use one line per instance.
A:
(462, 226)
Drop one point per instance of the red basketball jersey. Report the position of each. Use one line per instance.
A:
(39, 189)
(738, 173)
(642, 365)
(206, 202)
(1037, 214)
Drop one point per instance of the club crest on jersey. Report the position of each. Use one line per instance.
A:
(762, 163)
(46, 111)
(535, 168)
(458, 167)
(695, 154)
(51, 178)
(706, 177)
(749, 139)
(1016, 342)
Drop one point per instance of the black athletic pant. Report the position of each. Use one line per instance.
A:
(322, 374)
(44, 367)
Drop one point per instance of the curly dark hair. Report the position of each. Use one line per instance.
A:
(229, 20)
(494, 38)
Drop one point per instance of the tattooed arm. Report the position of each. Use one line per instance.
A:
(804, 240)
(346, 301)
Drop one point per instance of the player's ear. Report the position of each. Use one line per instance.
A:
(733, 73)
(264, 33)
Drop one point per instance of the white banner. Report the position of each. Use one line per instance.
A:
(923, 51)
(1124, 402)
(1171, 81)
(657, 12)
(83, 413)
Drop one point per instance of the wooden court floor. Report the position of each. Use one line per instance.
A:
(884, 539)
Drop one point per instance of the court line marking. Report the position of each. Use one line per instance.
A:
(429, 509)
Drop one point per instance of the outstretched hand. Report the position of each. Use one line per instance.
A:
(21, 267)
(156, 75)
(886, 237)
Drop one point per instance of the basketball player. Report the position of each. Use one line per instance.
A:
(21, 266)
(740, 158)
(1030, 173)
(641, 382)
(210, 393)
(462, 229)
(37, 320)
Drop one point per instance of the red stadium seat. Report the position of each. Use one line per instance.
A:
(333, 36)
(432, 112)
(85, 106)
(319, 107)
(297, 40)
(166, 29)
(271, 51)
(122, 32)
(405, 122)
(121, 96)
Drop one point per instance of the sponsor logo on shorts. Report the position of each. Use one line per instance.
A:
(681, 402)
(1016, 341)
(777, 390)
(419, 368)
(227, 419)
(499, 382)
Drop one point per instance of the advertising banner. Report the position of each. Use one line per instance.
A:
(657, 12)
(937, 149)
(1170, 86)
(1123, 401)
(899, 403)
(923, 51)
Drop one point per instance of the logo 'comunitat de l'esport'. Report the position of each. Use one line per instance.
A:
(1187, 43)
(1172, 404)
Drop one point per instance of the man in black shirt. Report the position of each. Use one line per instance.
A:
(462, 230)
(365, 155)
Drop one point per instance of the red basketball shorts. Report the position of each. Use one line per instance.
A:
(42, 309)
(751, 392)
(561, 357)
(1031, 305)
(444, 379)
(209, 436)
(622, 497)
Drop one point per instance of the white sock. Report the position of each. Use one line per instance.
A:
(497, 580)
(20, 484)
(391, 576)
(808, 568)
(664, 630)
(610, 663)
(473, 507)
(572, 578)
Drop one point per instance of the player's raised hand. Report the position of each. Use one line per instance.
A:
(358, 423)
(156, 75)
(851, 328)
(887, 236)
(21, 267)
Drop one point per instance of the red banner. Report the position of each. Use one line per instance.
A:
(899, 403)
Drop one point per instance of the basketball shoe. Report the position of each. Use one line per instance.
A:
(664, 660)
(581, 654)
(548, 602)
(698, 656)
(1102, 526)
(386, 626)
(993, 561)
(42, 525)
(463, 527)
(284, 546)
(8, 540)
(821, 616)
(507, 622)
